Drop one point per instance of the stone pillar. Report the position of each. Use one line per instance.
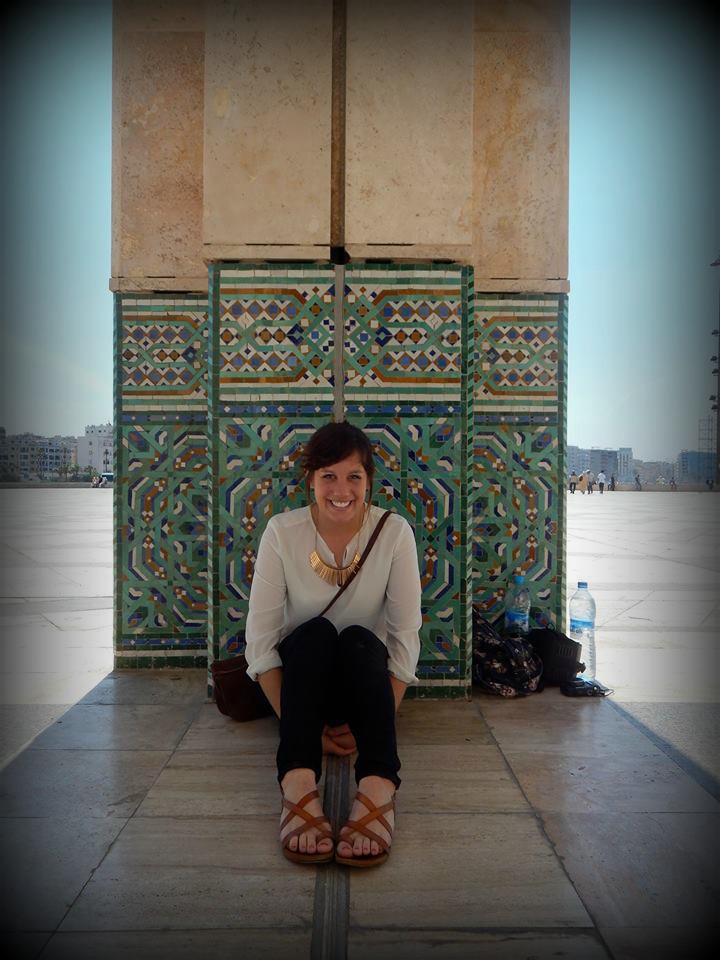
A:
(259, 138)
(157, 156)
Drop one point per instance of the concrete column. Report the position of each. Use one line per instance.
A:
(268, 84)
(157, 179)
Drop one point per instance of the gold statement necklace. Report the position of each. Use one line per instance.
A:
(334, 575)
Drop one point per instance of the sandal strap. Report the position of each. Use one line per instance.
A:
(375, 812)
(311, 822)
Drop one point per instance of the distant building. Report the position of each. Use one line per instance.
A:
(593, 459)
(95, 449)
(695, 466)
(625, 464)
(654, 471)
(29, 456)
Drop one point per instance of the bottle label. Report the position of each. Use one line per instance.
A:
(515, 616)
(578, 626)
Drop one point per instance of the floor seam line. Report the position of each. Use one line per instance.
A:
(331, 906)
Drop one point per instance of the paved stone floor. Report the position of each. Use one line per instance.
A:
(137, 822)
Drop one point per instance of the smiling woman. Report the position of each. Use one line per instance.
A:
(335, 681)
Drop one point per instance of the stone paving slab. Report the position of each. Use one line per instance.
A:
(171, 873)
(474, 945)
(642, 869)
(260, 943)
(479, 870)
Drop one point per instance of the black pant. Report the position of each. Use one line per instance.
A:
(336, 678)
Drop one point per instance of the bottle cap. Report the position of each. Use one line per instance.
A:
(519, 578)
(582, 584)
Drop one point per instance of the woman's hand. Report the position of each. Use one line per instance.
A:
(338, 740)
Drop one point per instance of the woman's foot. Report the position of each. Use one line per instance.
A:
(305, 833)
(366, 837)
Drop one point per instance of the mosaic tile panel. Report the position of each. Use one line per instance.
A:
(271, 386)
(163, 353)
(403, 333)
(274, 332)
(468, 419)
(258, 475)
(518, 451)
(519, 352)
(161, 480)
(407, 358)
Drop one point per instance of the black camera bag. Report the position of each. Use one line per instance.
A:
(559, 654)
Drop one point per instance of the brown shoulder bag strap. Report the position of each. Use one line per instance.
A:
(366, 551)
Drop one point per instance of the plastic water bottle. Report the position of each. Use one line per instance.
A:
(582, 626)
(517, 609)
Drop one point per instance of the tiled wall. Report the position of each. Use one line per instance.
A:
(405, 380)
(162, 476)
(518, 462)
(461, 393)
(408, 359)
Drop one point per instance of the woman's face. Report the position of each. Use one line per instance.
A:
(340, 491)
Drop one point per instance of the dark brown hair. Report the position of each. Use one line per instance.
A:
(334, 442)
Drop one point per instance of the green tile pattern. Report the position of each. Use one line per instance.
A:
(161, 480)
(519, 450)
(271, 386)
(408, 383)
(463, 394)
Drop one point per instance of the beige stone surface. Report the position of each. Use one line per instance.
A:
(550, 724)
(467, 778)
(160, 15)
(440, 722)
(267, 123)
(45, 864)
(221, 873)
(253, 944)
(220, 785)
(212, 732)
(473, 945)
(521, 140)
(409, 122)
(449, 888)
(642, 870)
(623, 783)
(157, 151)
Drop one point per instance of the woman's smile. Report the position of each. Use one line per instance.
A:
(340, 490)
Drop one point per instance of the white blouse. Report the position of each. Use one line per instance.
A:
(286, 591)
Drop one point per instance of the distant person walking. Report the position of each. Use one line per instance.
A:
(612, 481)
(582, 482)
(590, 480)
(573, 481)
(638, 485)
(602, 480)
(673, 485)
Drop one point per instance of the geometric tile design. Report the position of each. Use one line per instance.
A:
(273, 332)
(271, 386)
(161, 480)
(463, 395)
(408, 360)
(257, 477)
(518, 451)
(519, 352)
(403, 333)
(163, 352)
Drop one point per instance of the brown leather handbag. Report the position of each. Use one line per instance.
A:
(236, 694)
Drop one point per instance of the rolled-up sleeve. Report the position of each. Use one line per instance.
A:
(266, 608)
(403, 616)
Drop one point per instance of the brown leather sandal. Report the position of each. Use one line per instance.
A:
(311, 823)
(360, 826)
